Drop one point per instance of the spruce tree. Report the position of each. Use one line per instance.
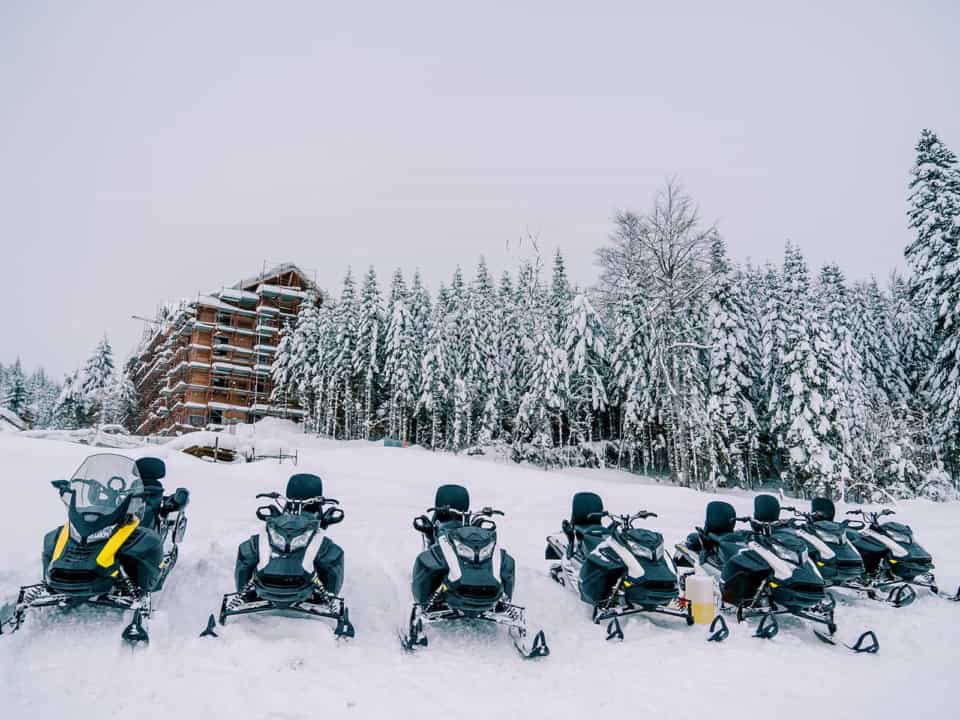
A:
(731, 406)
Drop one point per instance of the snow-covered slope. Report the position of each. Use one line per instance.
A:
(270, 667)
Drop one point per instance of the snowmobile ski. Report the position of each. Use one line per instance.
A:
(529, 651)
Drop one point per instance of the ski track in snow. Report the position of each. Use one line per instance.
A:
(74, 665)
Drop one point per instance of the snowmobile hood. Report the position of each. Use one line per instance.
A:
(288, 525)
(898, 531)
(647, 538)
(473, 537)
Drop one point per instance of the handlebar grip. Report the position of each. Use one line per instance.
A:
(270, 495)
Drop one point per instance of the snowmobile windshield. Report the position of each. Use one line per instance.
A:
(103, 483)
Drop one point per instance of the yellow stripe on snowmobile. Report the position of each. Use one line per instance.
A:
(61, 541)
(108, 556)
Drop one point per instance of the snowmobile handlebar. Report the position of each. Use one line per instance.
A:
(625, 521)
(872, 517)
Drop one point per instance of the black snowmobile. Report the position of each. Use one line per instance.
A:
(291, 566)
(463, 575)
(893, 561)
(618, 569)
(119, 543)
(828, 542)
(763, 572)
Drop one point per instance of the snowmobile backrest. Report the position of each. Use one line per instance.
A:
(766, 508)
(151, 468)
(584, 505)
(452, 496)
(823, 508)
(721, 518)
(304, 486)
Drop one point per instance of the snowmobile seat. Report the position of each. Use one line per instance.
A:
(823, 508)
(584, 505)
(303, 486)
(721, 520)
(152, 470)
(455, 497)
(766, 509)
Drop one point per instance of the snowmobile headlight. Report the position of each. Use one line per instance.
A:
(899, 537)
(828, 537)
(486, 551)
(642, 550)
(101, 534)
(464, 550)
(278, 541)
(787, 554)
(301, 540)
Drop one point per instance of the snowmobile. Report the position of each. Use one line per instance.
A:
(291, 565)
(763, 572)
(893, 561)
(119, 543)
(618, 569)
(828, 542)
(462, 574)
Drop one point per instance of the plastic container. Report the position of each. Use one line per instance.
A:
(699, 590)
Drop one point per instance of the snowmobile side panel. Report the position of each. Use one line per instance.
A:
(141, 557)
(247, 558)
(429, 570)
(329, 566)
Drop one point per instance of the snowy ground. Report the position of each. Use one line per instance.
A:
(269, 667)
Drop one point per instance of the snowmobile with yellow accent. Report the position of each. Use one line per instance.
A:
(109, 552)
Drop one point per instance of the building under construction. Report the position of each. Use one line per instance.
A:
(206, 362)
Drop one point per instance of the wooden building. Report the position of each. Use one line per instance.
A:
(207, 361)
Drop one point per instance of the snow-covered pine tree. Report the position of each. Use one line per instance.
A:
(342, 392)
(804, 396)
(585, 342)
(509, 353)
(43, 397)
(420, 307)
(561, 298)
(399, 366)
(934, 256)
(283, 372)
(98, 377)
(368, 355)
(435, 378)
(481, 370)
(934, 205)
(70, 411)
(913, 329)
(304, 359)
(731, 404)
(16, 396)
(773, 335)
(121, 402)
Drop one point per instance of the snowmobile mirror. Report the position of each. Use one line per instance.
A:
(265, 512)
(181, 497)
(422, 524)
(331, 516)
(62, 486)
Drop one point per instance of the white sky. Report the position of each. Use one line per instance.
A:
(151, 151)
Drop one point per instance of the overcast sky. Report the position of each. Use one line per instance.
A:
(148, 152)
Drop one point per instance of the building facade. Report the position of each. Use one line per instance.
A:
(207, 362)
